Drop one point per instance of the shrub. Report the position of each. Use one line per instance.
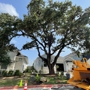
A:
(17, 73)
(37, 78)
(33, 69)
(59, 74)
(30, 69)
(4, 73)
(10, 73)
(64, 78)
(27, 70)
(62, 73)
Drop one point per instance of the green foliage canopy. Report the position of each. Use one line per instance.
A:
(8, 30)
(53, 26)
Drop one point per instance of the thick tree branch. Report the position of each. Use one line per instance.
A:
(44, 59)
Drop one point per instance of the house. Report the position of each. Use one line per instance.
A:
(19, 61)
(68, 61)
(39, 64)
(62, 64)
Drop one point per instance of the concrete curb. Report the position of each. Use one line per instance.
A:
(37, 86)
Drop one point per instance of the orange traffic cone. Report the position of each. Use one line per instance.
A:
(25, 86)
(15, 87)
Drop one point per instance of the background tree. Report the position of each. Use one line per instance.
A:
(86, 44)
(8, 30)
(53, 26)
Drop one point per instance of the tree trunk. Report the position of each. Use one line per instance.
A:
(51, 69)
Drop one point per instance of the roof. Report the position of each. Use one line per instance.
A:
(20, 55)
(60, 59)
(72, 56)
(16, 53)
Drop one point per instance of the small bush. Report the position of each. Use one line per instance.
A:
(64, 78)
(33, 69)
(59, 75)
(27, 70)
(17, 73)
(62, 73)
(10, 73)
(30, 69)
(37, 78)
(4, 73)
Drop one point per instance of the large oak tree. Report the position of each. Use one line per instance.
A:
(53, 26)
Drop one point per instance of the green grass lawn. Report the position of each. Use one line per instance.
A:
(56, 80)
(16, 80)
(9, 82)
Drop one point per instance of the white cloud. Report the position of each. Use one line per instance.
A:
(33, 48)
(7, 8)
(13, 41)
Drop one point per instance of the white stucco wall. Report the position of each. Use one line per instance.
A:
(11, 67)
(20, 63)
(68, 66)
(38, 64)
(24, 65)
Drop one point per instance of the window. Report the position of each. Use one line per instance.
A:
(3, 66)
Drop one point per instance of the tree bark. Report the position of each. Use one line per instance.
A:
(51, 69)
